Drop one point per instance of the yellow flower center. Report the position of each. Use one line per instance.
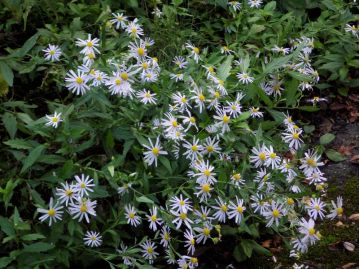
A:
(290, 201)
(141, 51)
(339, 210)
(194, 260)
(262, 156)
(311, 231)
(147, 95)
(182, 203)
(206, 231)
(201, 97)
(93, 238)
(183, 100)
(91, 56)
(295, 136)
(192, 241)
(237, 177)
(118, 82)
(52, 52)
(220, 82)
(210, 148)
(69, 192)
(79, 80)
(224, 208)
(272, 155)
(133, 30)
(192, 120)
(145, 65)
(196, 50)
(317, 207)
(207, 173)
(83, 208)
(240, 209)
(131, 215)
(174, 123)
(55, 119)
(89, 44)
(51, 212)
(166, 236)
(124, 76)
(225, 119)
(119, 18)
(206, 187)
(312, 162)
(153, 218)
(211, 69)
(156, 151)
(275, 213)
(82, 185)
(194, 148)
(217, 94)
(150, 250)
(183, 216)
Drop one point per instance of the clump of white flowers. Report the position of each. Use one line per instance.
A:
(202, 115)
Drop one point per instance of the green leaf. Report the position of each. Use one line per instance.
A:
(10, 123)
(166, 163)
(28, 45)
(5, 261)
(32, 237)
(6, 226)
(326, 139)
(334, 155)
(247, 247)
(32, 158)
(144, 199)
(309, 108)
(18, 144)
(38, 247)
(225, 68)
(6, 73)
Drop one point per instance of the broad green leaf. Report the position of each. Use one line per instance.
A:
(7, 73)
(326, 139)
(32, 237)
(18, 144)
(9, 121)
(6, 226)
(247, 247)
(32, 158)
(166, 163)
(144, 199)
(334, 155)
(5, 261)
(225, 68)
(38, 247)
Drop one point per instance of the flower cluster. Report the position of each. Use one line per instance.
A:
(205, 125)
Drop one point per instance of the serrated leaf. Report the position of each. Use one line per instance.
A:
(32, 158)
(326, 139)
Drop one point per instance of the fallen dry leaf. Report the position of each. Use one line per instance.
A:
(355, 159)
(337, 106)
(354, 217)
(267, 243)
(354, 97)
(348, 265)
(339, 224)
(345, 150)
(349, 246)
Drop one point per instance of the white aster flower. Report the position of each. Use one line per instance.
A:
(77, 82)
(54, 212)
(90, 45)
(52, 53)
(148, 251)
(153, 152)
(92, 239)
(82, 208)
(131, 216)
(53, 120)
